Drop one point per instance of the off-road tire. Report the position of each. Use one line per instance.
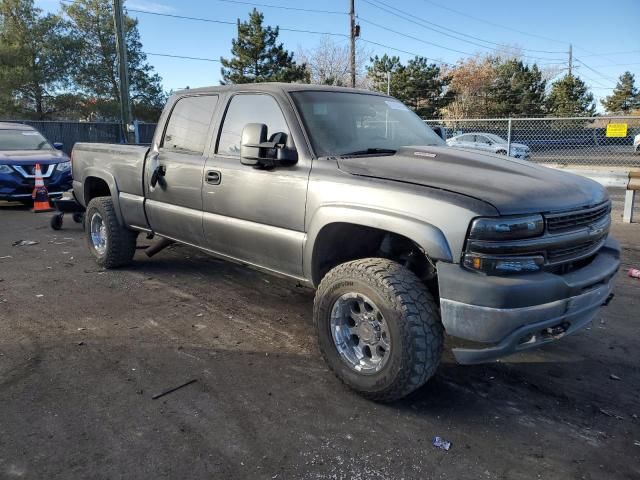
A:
(410, 312)
(121, 241)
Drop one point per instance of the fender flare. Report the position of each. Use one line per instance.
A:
(109, 179)
(430, 238)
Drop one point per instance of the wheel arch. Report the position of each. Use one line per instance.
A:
(99, 183)
(338, 234)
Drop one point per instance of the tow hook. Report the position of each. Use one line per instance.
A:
(608, 299)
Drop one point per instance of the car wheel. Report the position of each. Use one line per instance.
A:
(56, 221)
(77, 217)
(378, 328)
(110, 243)
(501, 152)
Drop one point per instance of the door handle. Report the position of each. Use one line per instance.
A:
(213, 177)
(158, 173)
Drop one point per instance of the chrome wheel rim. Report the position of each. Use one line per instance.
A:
(98, 234)
(360, 333)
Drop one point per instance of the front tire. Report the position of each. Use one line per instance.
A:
(378, 328)
(112, 244)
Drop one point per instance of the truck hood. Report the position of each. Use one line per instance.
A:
(30, 157)
(512, 186)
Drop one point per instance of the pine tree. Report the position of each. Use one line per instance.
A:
(625, 96)
(96, 68)
(418, 84)
(570, 97)
(35, 57)
(257, 57)
(517, 90)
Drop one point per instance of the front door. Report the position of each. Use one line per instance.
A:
(173, 173)
(250, 214)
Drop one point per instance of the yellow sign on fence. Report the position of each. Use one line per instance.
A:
(617, 130)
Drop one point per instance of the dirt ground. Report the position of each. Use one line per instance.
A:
(82, 352)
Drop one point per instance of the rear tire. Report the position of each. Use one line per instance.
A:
(112, 244)
(394, 298)
(501, 152)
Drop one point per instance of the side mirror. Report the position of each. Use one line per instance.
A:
(257, 152)
(58, 145)
(440, 131)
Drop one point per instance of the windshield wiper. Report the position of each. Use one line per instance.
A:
(370, 151)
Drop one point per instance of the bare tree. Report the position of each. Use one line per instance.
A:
(328, 63)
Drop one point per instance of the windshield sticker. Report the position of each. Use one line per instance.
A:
(320, 109)
(27, 134)
(395, 105)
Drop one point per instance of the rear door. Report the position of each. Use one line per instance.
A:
(251, 214)
(174, 172)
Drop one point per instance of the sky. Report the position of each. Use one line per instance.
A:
(604, 35)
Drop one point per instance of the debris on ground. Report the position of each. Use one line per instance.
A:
(610, 414)
(171, 390)
(634, 273)
(614, 377)
(6, 256)
(24, 243)
(39, 295)
(441, 443)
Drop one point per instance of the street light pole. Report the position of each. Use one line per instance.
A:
(121, 47)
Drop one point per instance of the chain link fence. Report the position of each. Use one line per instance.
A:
(69, 133)
(592, 141)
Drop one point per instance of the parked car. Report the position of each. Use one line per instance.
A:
(488, 142)
(21, 148)
(403, 243)
(636, 144)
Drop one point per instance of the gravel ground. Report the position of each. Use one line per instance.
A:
(83, 351)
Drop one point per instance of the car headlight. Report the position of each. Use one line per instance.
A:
(506, 228)
(64, 166)
(5, 169)
(497, 265)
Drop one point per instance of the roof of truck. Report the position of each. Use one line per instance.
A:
(274, 86)
(14, 126)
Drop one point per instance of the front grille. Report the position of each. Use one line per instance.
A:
(555, 255)
(558, 222)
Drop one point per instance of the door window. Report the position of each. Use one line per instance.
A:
(482, 139)
(249, 108)
(189, 123)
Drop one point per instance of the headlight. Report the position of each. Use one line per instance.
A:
(5, 169)
(506, 228)
(503, 265)
(64, 166)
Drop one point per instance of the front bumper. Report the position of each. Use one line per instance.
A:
(15, 187)
(514, 313)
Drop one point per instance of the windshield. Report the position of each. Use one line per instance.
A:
(495, 138)
(340, 123)
(23, 140)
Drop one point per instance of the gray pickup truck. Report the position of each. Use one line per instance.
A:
(349, 192)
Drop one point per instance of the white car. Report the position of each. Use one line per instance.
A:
(636, 144)
(490, 143)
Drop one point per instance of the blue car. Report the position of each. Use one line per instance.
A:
(21, 147)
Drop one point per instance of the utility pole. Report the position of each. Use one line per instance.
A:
(121, 47)
(355, 32)
(389, 83)
(570, 60)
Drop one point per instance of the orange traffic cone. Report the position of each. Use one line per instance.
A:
(40, 194)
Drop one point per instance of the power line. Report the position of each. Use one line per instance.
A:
(596, 72)
(611, 53)
(413, 38)
(225, 22)
(404, 51)
(181, 57)
(409, 17)
(283, 7)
